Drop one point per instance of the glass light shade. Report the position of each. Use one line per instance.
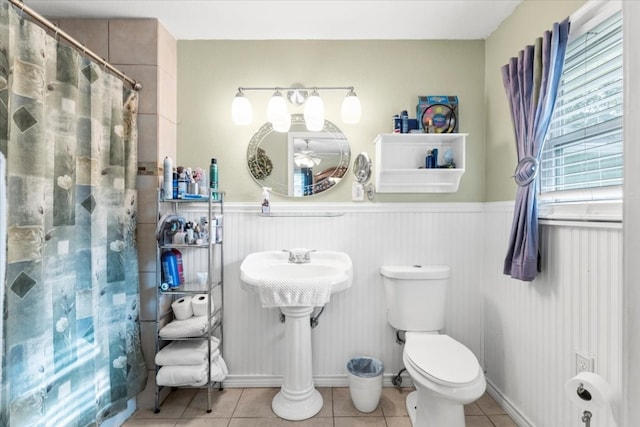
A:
(277, 108)
(351, 108)
(314, 112)
(282, 124)
(241, 111)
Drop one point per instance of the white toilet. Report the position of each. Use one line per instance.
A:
(446, 374)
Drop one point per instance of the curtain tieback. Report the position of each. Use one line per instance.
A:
(526, 171)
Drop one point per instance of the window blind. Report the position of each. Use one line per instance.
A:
(582, 155)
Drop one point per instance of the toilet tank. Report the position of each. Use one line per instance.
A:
(416, 296)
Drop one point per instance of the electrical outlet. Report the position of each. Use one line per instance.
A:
(584, 363)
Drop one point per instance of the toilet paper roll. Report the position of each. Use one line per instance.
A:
(199, 304)
(182, 308)
(588, 391)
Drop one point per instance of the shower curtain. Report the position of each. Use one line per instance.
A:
(71, 351)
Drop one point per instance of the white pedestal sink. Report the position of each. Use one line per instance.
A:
(296, 288)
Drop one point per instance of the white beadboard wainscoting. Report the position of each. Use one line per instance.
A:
(524, 334)
(532, 331)
(354, 321)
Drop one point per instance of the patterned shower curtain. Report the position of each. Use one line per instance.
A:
(71, 352)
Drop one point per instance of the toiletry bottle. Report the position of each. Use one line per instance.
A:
(213, 178)
(430, 127)
(405, 121)
(429, 160)
(180, 266)
(170, 269)
(266, 207)
(434, 152)
(182, 185)
(397, 124)
(175, 185)
(167, 181)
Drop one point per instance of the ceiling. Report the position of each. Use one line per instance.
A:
(299, 19)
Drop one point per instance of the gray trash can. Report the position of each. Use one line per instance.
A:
(365, 382)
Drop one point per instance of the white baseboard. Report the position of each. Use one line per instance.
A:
(515, 414)
(241, 381)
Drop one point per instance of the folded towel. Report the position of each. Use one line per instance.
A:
(219, 370)
(181, 375)
(185, 352)
(274, 293)
(193, 375)
(194, 326)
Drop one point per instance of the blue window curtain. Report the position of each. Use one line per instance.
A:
(531, 81)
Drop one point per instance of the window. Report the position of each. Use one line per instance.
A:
(582, 156)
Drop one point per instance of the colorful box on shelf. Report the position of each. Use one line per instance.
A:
(439, 112)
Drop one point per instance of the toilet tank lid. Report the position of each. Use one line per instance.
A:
(415, 272)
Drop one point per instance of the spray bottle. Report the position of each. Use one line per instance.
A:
(266, 206)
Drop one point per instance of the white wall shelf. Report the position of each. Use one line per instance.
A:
(400, 162)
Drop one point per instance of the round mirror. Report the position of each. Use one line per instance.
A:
(298, 163)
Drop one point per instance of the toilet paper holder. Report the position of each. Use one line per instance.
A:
(588, 391)
(583, 393)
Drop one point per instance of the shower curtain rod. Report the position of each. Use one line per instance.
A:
(53, 27)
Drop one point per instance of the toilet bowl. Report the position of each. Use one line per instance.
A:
(445, 373)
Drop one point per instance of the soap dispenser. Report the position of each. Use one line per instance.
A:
(266, 206)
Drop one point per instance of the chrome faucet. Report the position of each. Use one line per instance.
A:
(299, 256)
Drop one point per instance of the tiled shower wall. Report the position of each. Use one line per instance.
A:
(144, 50)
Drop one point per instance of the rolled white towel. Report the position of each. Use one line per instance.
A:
(185, 352)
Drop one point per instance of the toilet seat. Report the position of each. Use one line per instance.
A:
(441, 359)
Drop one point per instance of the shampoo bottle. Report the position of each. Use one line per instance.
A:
(266, 206)
(213, 178)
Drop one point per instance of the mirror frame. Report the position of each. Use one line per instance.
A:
(260, 165)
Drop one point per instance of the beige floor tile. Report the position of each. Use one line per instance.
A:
(343, 406)
(316, 421)
(393, 401)
(327, 402)
(398, 421)
(173, 406)
(203, 422)
(477, 421)
(223, 403)
(255, 403)
(502, 421)
(256, 422)
(489, 406)
(359, 422)
(472, 409)
(157, 422)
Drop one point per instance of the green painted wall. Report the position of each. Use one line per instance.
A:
(530, 19)
(388, 77)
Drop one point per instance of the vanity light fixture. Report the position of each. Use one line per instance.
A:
(314, 112)
(278, 114)
(241, 111)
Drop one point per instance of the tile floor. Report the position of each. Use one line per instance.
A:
(251, 407)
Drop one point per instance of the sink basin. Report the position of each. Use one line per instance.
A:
(282, 283)
(296, 288)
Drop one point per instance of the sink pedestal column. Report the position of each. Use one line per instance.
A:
(297, 399)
